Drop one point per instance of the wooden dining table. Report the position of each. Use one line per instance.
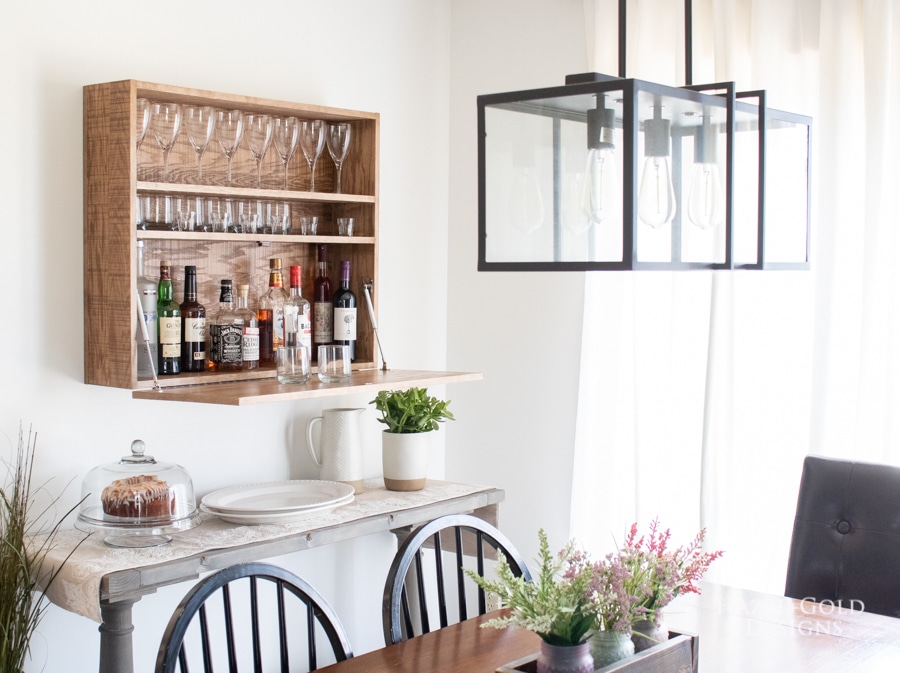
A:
(739, 631)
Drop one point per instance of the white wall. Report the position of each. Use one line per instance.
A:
(390, 56)
(523, 330)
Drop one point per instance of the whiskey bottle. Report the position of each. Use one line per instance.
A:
(226, 333)
(193, 325)
(271, 315)
(169, 313)
(250, 342)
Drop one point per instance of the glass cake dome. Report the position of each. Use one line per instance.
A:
(138, 501)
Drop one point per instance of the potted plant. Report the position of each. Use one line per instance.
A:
(410, 415)
(558, 605)
(23, 548)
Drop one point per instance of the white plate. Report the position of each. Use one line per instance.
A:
(277, 496)
(275, 517)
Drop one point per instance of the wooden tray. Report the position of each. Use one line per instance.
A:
(676, 655)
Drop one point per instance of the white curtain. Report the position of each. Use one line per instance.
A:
(701, 392)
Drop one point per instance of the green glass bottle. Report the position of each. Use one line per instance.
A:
(169, 316)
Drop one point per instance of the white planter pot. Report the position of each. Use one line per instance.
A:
(404, 457)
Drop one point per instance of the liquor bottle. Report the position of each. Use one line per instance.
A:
(250, 342)
(344, 302)
(193, 325)
(169, 313)
(297, 327)
(147, 291)
(323, 309)
(226, 333)
(271, 315)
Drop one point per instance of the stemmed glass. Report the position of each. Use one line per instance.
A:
(337, 137)
(312, 141)
(259, 135)
(165, 122)
(143, 120)
(284, 135)
(229, 130)
(199, 122)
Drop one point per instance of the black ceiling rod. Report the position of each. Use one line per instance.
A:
(688, 42)
(623, 22)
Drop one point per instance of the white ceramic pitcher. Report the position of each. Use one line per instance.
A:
(340, 446)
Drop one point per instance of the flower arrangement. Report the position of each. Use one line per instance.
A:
(557, 605)
(572, 596)
(656, 573)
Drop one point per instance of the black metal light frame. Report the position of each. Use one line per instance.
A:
(719, 95)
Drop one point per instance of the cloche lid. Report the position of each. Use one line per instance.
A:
(139, 498)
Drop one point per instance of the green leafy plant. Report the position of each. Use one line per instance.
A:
(557, 605)
(23, 549)
(412, 410)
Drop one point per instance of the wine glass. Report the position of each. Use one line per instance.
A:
(258, 132)
(199, 123)
(229, 130)
(337, 137)
(142, 108)
(312, 140)
(284, 135)
(165, 122)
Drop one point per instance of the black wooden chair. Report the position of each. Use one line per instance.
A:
(456, 536)
(845, 546)
(254, 627)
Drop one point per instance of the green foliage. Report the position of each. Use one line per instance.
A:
(22, 553)
(556, 605)
(413, 410)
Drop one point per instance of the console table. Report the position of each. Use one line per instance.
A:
(104, 583)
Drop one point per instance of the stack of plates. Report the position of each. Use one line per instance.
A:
(276, 501)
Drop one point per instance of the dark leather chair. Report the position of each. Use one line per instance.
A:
(845, 547)
(461, 535)
(263, 595)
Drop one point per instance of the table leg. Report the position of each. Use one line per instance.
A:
(116, 652)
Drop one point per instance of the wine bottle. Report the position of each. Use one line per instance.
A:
(148, 293)
(250, 342)
(323, 309)
(344, 302)
(297, 328)
(193, 325)
(169, 313)
(271, 315)
(226, 333)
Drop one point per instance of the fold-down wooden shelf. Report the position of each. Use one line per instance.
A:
(262, 391)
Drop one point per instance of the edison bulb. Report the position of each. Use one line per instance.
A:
(656, 197)
(705, 207)
(599, 187)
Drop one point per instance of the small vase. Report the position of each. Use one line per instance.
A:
(608, 647)
(565, 659)
(646, 634)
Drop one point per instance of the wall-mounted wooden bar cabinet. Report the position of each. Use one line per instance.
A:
(120, 174)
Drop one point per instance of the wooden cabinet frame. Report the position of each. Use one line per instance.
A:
(111, 185)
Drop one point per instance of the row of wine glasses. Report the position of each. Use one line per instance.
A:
(201, 123)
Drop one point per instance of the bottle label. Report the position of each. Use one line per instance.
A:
(195, 330)
(344, 324)
(323, 330)
(170, 336)
(277, 326)
(251, 344)
(230, 339)
(304, 331)
(215, 343)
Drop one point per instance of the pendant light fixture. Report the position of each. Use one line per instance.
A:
(628, 174)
